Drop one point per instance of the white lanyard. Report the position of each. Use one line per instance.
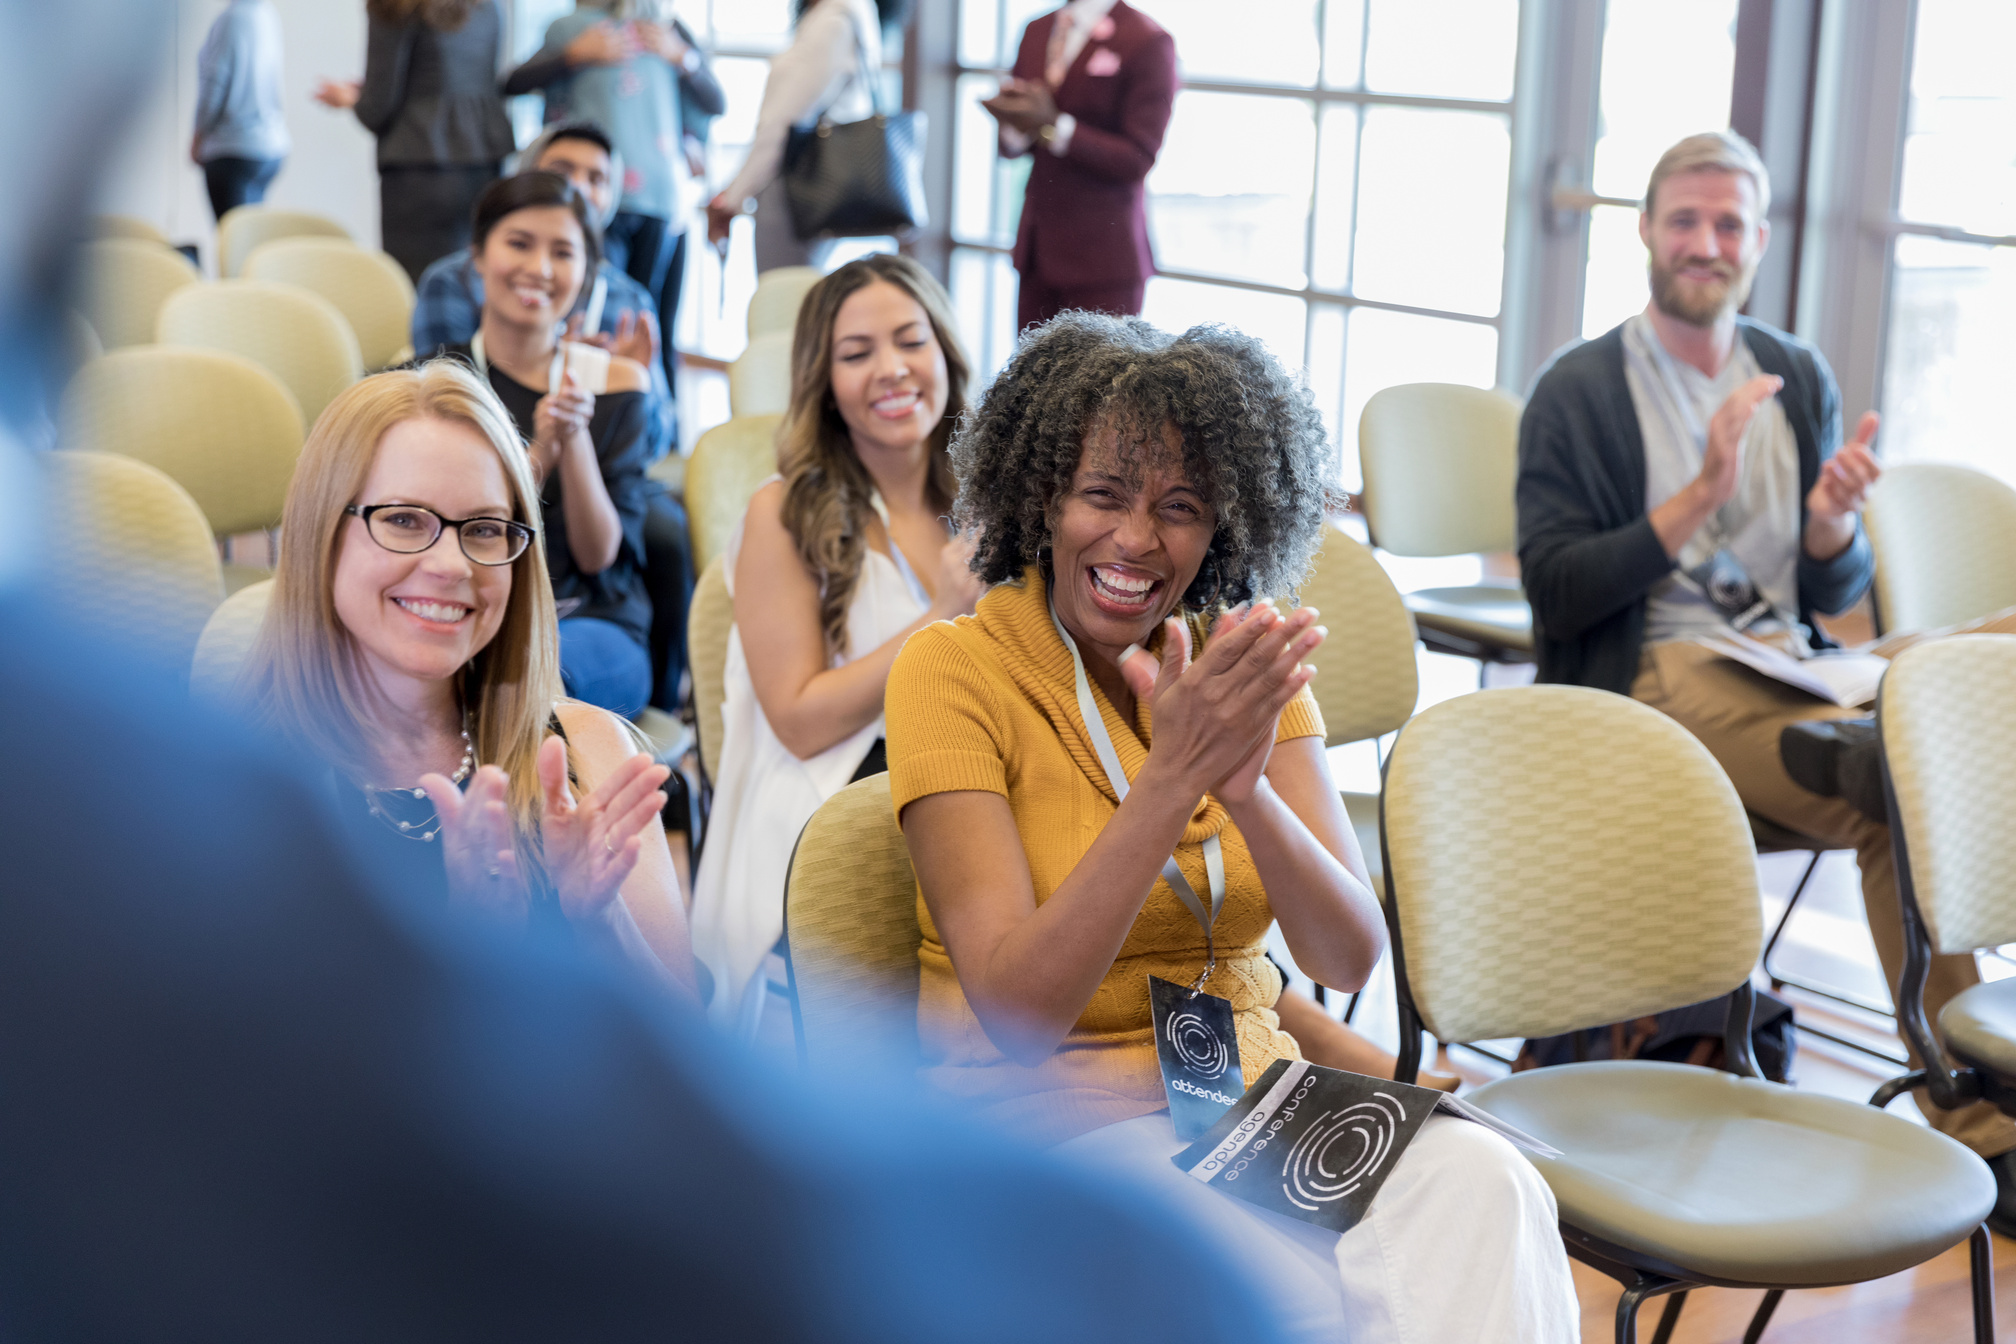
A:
(553, 373)
(910, 579)
(1116, 775)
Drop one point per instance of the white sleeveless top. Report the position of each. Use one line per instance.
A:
(765, 795)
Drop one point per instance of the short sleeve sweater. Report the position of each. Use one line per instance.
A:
(989, 703)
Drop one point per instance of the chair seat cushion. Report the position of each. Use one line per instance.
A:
(1488, 613)
(1979, 1025)
(1743, 1181)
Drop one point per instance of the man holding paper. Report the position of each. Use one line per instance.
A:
(1687, 504)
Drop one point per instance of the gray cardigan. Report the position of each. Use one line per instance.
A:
(1587, 551)
(431, 97)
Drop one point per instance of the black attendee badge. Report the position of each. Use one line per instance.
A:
(1198, 1048)
(1317, 1143)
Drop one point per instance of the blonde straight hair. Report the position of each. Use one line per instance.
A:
(827, 492)
(304, 678)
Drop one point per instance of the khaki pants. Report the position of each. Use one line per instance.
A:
(1738, 715)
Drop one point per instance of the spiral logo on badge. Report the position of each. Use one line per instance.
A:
(1197, 1046)
(1340, 1151)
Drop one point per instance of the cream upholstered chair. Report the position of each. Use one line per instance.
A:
(1439, 462)
(709, 618)
(226, 640)
(779, 294)
(221, 425)
(728, 463)
(1509, 919)
(1945, 543)
(1367, 678)
(125, 226)
(851, 932)
(369, 288)
(247, 226)
(133, 558)
(125, 283)
(1949, 755)
(300, 337)
(759, 379)
(81, 339)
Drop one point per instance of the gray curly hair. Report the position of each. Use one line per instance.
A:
(1253, 446)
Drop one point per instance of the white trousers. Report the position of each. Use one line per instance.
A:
(1461, 1246)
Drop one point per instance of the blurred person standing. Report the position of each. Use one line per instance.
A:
(835, 51)
(241, 134)
(1089, 98)
(637, 72)
(430, 95)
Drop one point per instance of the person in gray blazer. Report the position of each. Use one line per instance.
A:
(429, 94)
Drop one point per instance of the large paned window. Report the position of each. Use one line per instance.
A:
(1951, 345)
(1334, 181)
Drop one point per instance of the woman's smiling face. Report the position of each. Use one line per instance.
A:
(532, 263)
(888, 370)
(421, 617)
(1127, 540)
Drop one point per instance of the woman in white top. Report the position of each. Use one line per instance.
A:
(819, 75)
(838, 560)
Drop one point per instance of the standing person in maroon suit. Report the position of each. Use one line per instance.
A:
(1090, 98)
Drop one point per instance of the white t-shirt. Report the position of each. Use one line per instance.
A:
(1758, 528)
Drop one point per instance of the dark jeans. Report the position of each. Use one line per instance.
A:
(645, 249)
(603, 664)
(236, 182)
(668, 576)
(423, 209)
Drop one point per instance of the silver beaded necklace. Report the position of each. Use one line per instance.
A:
(426, 829)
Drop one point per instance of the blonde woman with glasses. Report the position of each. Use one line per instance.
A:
(411, 644)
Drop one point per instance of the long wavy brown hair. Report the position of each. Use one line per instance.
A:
(827, 492)
(441, 15)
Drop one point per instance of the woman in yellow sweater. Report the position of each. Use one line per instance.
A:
(1124, 482)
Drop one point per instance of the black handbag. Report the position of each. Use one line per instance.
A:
(857, 179)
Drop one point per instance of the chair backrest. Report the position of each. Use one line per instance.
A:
(125, 283)
(369, 288)
(728, 463)
(134, 558)
(850, 923)
(1945, 542)
(1949, 744)
(1558, 858)
(247, 226)
(780, 292)
(759, 379)
(226, 639)
(709, 619)
(80, 339)
(1440, 461)
(221, 425)
(298, 336)
(1367, 677)
(125, 226)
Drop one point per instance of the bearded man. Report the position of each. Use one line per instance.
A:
(1683, 478)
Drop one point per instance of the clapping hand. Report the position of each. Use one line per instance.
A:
(635, 337)
(476, 842)
(1027, 105)
(592, 846)
(557, 419)
(1845, 478)
(1217, 715)
(602, 43)
(959, 588)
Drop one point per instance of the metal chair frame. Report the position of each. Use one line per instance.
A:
(1780, 979)
(1644, 1276)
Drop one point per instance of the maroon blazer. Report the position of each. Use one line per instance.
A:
(1085, 214)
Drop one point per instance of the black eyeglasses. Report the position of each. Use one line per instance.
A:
(410, 529)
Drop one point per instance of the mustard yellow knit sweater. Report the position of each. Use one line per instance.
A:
(989, 703)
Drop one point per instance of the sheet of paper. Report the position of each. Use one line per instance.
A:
(1846, 679)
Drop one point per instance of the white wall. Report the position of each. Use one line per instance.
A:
(332, 169)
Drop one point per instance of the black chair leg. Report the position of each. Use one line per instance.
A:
(1669, 1318)
(1351, 1008)
(1763, 1316)
(1633, 1298)
(1981, 1256)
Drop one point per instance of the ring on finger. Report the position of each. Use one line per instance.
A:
(609, 847)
